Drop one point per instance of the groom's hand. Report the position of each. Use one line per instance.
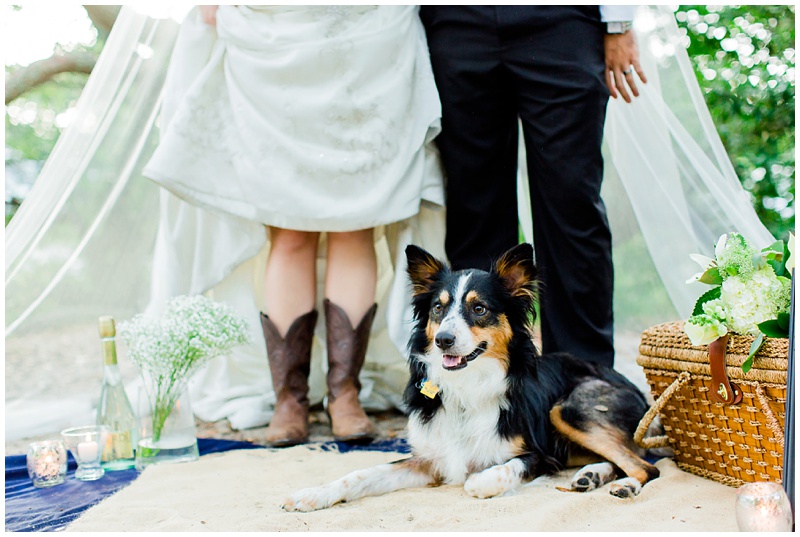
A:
(622, 59)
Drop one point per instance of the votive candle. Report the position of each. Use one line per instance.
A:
(763, 506)
(47, 463)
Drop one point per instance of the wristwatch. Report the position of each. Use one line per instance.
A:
(618, 27)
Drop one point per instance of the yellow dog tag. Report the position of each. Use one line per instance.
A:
(429, 389)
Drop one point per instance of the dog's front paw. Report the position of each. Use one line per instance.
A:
(625, 488)
(306, 500)
(492, 482)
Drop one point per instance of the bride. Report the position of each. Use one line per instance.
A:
(97, 237)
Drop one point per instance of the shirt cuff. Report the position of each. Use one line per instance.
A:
(617, 13)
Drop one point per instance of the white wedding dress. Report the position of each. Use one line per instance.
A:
(96, 237)
(311, 118)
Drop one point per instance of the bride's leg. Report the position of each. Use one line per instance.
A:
(290, 282)
(352, 272)
(350, 307)
(289, 286)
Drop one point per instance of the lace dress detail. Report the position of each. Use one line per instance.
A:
(310, 118)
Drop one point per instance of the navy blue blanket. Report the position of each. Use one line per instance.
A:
(51, 509)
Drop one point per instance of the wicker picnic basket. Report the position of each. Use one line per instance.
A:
(722, 424)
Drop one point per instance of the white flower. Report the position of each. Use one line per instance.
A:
(720, 247)
(705, 262)
(169, 348)
(702, 330)
(751, 302)
(790, 261)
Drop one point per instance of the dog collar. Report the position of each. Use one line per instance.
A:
(428, 388)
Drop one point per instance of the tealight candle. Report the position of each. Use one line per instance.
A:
(763, 506)
(87, 450)
(84, 443)
(47, 463)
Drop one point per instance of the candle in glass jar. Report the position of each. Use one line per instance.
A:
(763, 506)
(88, 450)
(47, 463)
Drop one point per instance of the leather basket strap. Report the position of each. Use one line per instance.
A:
(723, 390)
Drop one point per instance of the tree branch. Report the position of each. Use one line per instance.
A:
(30, 76)
(103, 18)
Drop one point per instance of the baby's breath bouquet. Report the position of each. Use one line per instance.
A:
(750, 293)
(169, 348)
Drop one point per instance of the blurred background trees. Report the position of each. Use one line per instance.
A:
(744, 58)
(39, 95)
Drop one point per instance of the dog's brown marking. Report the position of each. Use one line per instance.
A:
(444, 298)
(517, 445)
(472, 296)
(422, 267)
(497, 338)
(517, 271)
(430, 332)
(608, 442)
(420, 466)
(580, 456)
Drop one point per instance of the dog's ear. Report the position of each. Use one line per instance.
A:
(517, 271)
(422, 267)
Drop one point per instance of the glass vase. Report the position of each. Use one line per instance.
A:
(166, 427)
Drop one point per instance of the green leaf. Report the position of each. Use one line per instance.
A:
(711, 276)
(774, 250)
(783, 320)
(776, 256)
(773, 328)
(712, 294)
(748, 364)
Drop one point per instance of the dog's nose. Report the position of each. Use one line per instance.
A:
(444, 340)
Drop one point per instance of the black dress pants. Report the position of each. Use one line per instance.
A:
(543, 66)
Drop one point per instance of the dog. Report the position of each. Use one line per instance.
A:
(485, 409)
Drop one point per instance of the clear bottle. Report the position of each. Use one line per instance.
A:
(114, 409)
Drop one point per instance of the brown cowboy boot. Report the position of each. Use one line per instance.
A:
(289, 363)
(346, 351)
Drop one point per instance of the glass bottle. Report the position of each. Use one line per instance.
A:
(114, 409)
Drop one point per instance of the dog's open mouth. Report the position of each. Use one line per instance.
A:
(452, 362)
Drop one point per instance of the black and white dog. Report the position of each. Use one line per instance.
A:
(485, 409)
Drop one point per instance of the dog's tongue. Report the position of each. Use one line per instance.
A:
(449, 360)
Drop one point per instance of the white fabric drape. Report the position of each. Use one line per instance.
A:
(95, 237)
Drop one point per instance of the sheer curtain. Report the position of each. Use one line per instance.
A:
(95, 237)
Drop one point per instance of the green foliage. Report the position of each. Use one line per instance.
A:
(744, 57)
(34, 120)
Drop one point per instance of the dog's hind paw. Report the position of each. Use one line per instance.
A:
(625, 488)
(592, 477)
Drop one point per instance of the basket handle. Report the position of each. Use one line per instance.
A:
(723, 390)
(772, 421)
(650, 415)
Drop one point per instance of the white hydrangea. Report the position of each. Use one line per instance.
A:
(751, 302)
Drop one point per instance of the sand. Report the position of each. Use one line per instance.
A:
(242, 491)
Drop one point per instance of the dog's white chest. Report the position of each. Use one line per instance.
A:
(459, 442)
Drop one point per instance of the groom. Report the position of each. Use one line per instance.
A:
(552, 68)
